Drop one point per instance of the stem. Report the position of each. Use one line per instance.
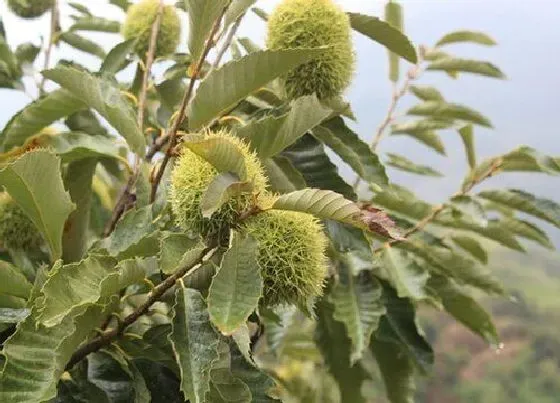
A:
(52, 37)
(108, 336)
(227, 42)
(185, 103)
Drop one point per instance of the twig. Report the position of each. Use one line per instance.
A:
(227, 42)
(108, 336)
(127, 197)
(185, 103)
(52, 37)
(158, 144)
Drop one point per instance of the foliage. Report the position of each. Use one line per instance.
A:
(182, 233)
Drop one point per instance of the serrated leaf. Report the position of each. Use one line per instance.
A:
(427, 137)
(465, 309)
(357, 305)
(220, 190)
(442, 110)
(308, 157)
(80, 43)
(385, 34)
(236, 9)
(402, 202)
(421, 125)
(282, 175)
(222, 153)
(34, 181)
(236, 287)
(348, 145)
(223, 88)
(202, 16)
(527, 159)
(547, 210)
(38, 115)
(426, 93)
(406, 165)
(466, 36)
(178, 250)
(405, 275)
(394, 17)
(453, 64)
(73, 146)
(12, 282)
(527, 230)
(466, 133)
(105, 98)
(90, 281)
(224, 387)
(92, 23)
(117, 58)
(467, 208)
(473, 247)
(194, 342)
(271, 135)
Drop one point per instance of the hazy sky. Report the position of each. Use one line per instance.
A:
(524, 109)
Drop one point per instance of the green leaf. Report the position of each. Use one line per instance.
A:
(394, 17)
(223, 88)
(308, 157)
(454, 65)
(236, 9)
(34, 181)
(35, 356)
(466, 36)
(224, 387)
(427, 137)
(76, 232)
(406, 165)
(547, 210)
(426, 93)
(467, 208)
(263, 15)
(356, 301)
(473, 247)
(527, 230)
(385, 34)
(402, 202)
(466, 134)
(38, 115)
(117, 58)
(442, 110)
(202, 16)
(178, 250)
(13, 315)
(222, 153)
(271, 135)
(105, 98)
(74, 146)
(348, 145)
(26, 53)
(122, 4)
(12, 282)
(90, 281)
(194, 342)
(236, 287)
(92, 23)
(220, 190)
(83, 44)
(282, 175)
(421, 125)
(405, 275)
(527, 159)
(465, 309)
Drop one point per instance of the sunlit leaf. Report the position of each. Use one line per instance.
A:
(81, 43)
(466, 66)
(527, 159)
(467, 136)
(426, 93)
(117, 58)
(466, 36)
(202, 16)
(91, 23)
(236, 9)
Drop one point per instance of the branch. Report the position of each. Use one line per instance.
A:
(127, 198)
(55, 28)
(227, 42)
(172, 134)
(109, 336)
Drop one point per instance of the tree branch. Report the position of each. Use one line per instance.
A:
(227, 42)
(172, 134)
(55, 28)
(109, 336)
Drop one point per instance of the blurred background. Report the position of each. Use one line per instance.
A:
(523, 109)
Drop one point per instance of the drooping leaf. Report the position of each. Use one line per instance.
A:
(405, 275)
(236, 287)
(427, 137)
(469, 209)
(385, 34)
(404, 164)
(466, 66)
(12, 282)
(38, 115)
(26, 53)
(402, 202)
(282, 175)
(520, 200)
(34, 181)
(236, 9)
(527, 159)
(527, 230)
(466, 133)
(348, 145)
(271, 135)
(472, 246)
(466, 36)
(442, 110)
(224, 387)
(105, 98)
(178, 250)
(394, 17)
(426, 93)
(259, 12)
(194, 342)
(356, 301)
(202, 16)
(225, 87)
(81, 43)
(220, 190)
(421, 125)
(92, 23)
(117, 58)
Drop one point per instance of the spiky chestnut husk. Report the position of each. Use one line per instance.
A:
(291, 256)
(138, 24)
(309, 24)
(190, 179)
(17, 231)
(30, 8)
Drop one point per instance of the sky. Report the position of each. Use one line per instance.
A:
(524, 108)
